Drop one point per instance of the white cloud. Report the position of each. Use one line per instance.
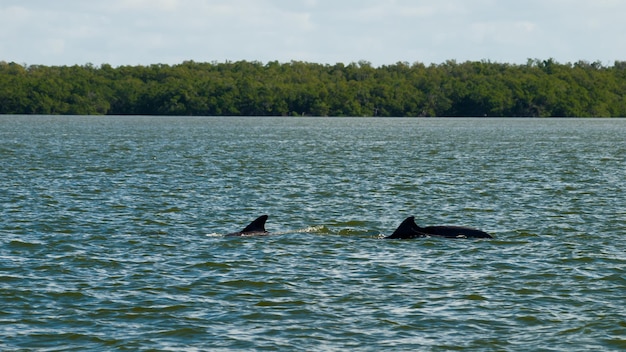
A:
(146, 5)
(381, 31)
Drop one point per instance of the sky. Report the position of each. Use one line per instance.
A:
(382, 32)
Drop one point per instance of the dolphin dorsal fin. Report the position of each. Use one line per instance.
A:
(257, 225)
(407, 229)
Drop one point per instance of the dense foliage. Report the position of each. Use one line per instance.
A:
(538, 88)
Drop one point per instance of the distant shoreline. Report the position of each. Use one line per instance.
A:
(540, 88)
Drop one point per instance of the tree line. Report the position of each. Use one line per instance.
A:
(539, 88)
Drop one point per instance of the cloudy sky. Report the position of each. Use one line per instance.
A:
(142, 32)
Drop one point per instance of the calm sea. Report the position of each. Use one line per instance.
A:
(111, 234)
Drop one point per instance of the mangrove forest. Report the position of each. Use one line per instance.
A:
(539, 88)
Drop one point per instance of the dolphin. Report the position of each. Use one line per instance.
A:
(409, 229)
(255, 228)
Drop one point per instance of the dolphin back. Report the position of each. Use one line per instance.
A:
(455, 232)
(408, 229)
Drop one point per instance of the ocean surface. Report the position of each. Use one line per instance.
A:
(112, 234)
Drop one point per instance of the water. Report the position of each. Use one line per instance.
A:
(111, 234)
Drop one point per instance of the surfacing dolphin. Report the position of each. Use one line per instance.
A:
(408, 229)
(256, 228)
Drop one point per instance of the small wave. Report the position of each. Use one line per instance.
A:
(311, 229)
(16, 243)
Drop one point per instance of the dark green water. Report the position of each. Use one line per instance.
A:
(111, 234)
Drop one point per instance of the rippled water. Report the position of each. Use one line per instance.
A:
(112, 228)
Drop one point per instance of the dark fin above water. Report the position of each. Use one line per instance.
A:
(407, 229)
(256, 228)
(257, 225)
